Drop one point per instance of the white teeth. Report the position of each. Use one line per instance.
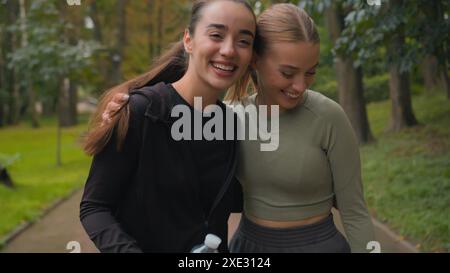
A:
(291, 95)
(223, 67)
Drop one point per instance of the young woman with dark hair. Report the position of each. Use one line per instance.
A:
(147, 192)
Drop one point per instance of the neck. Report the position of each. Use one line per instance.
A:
(263, 100)
(189, 86)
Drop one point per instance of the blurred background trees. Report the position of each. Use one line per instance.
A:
(54, 54)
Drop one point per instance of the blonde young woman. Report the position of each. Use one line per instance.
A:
(289, 193)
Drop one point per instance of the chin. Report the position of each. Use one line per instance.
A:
(221, 85)
(289, 104)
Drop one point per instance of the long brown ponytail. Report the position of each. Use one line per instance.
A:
(170, 67)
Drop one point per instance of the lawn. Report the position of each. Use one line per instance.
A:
(407, 174)
(38, 181)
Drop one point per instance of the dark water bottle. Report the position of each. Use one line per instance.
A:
(210, 245)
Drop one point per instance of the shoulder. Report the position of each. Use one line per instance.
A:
(154, 101)
(324, 108)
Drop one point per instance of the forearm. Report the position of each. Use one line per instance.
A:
(105, 231)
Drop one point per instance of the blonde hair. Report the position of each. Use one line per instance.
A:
(279, 23)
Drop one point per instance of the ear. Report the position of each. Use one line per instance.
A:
(187, 41)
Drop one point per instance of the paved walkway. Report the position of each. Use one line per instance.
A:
(61, 225)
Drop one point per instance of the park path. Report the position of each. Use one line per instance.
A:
(61, 225)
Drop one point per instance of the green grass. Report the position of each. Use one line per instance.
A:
(407, 174)
(38, 181)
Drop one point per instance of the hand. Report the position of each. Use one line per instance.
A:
(113, 107)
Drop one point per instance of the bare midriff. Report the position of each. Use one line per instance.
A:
(287, 224)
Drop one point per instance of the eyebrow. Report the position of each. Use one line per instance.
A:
(296, 68)
(242, 31)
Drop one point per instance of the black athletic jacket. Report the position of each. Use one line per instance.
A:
(145, 197)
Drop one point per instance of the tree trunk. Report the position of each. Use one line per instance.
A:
(435, 64)
(150, 30)
(435, 77)
(160, 30)
(72, 36)
(402, 115)
(65, 114)
(350, 83)
(446, 82)
(118, 52)
(103, 63)
(16, 102)
(2, 81)
(73, 101)
(29, 88)
(98, 36)
(12, 88)
(58, 144)
(430, 73)
(49, 107)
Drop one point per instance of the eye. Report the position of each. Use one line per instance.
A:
(245, 43)
(310, 73)
(215, 36)
(287, 75)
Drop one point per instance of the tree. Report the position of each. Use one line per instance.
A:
(435, 74)
(9, 45)
(350, 79)
(435, 41)
(401, 114)
(2, 77)
(349, 76)
(390, 26)
(117, 53)
(150, 7)
(68, 97)
(48, 55)
(28, 82)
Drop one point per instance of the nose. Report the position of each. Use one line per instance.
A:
(227, 48)
(299, 85)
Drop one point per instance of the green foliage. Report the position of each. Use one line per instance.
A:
(407, 176)
(325, 82)
(376, 88)
(48, 55)
(369, 29)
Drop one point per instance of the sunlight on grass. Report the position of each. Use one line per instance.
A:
(38, 182)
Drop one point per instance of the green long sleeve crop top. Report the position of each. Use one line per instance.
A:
(317, 162)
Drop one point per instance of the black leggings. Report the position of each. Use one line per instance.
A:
(314, 238)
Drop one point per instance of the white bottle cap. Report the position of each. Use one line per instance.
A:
(212, 241)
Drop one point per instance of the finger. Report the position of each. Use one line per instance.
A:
(105, 118)
(117, 98)
(112, 107)
(125, 97)
(121, 98)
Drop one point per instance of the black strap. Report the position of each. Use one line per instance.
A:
(229, 178)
